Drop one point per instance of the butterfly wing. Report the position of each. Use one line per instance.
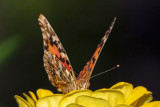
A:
(85, 74)
(56, 61)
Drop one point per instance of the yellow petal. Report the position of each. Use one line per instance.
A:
(143, 100)
(152, 104)
(122, 105)
(71, 96)
(137, 93)
(33, 96)
(41, 93)
(21, 102)
(50, 101)
(124, 87)
(89, 101)
(74, 105)
(113, 96)
(30, 101)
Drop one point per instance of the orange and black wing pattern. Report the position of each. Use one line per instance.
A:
(56, 61)
(85, 74)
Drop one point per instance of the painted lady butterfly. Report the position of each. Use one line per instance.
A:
(57, 64)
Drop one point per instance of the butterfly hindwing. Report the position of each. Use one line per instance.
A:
(56, 61)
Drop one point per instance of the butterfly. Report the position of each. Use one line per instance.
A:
(57, 64)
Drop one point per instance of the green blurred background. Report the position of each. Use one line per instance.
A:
(80, 24)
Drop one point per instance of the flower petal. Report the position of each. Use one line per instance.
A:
(41, 93)
(50, 101)
(33, 96)
(89, 101)
(74, 105)
(29, 99)
(21, 102)
(144, 99)
(137, 93)
(124, 87)
(71, 96)
(113, 96)
(152, 104)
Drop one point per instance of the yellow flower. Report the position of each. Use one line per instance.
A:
(121, 94)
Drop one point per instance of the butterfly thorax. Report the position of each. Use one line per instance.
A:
(82, 84)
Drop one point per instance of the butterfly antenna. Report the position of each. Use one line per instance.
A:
(105, 71)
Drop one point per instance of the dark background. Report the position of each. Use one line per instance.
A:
(80, 24)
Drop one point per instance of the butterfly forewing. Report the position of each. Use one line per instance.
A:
(56, 61)
(85, 74)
